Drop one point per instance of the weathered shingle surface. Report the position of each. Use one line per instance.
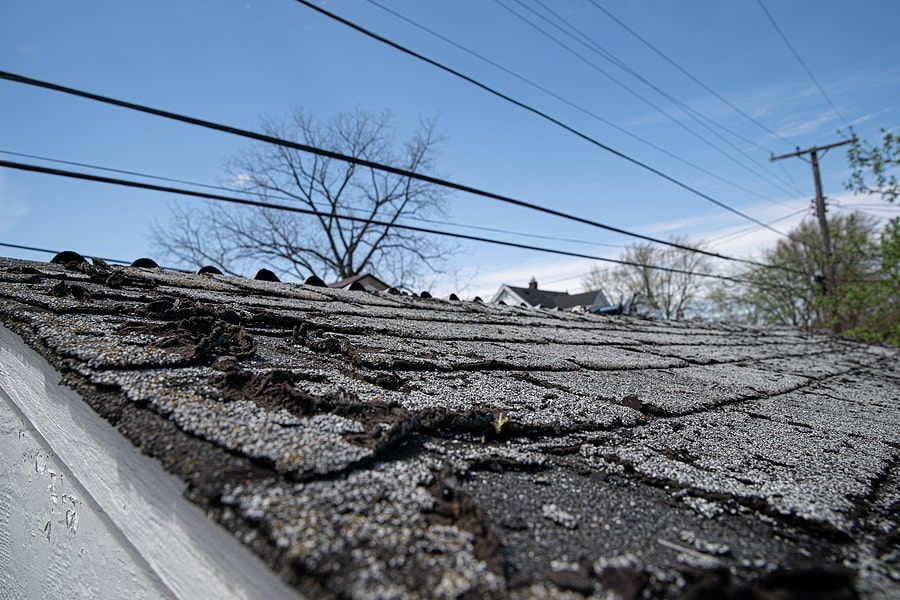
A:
(380, 446)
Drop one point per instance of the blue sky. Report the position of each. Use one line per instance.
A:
(236, 61)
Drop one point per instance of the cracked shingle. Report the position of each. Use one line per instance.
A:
(372, 445)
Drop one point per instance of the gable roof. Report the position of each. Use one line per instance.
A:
(551, 299)
(376, 445)
(360, 277)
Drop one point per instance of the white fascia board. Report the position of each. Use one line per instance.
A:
(127, 530)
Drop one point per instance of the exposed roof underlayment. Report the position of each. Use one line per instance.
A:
(377, 446)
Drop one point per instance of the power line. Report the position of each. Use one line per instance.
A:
(701, 118)
(712, 242)
(813, 153)
(732, 234)
(532, 110)
(282, 197)
(800, 60)
(586, 41)
(569, 278)
(565, 100)
(118, 261)
(305, 211)
(721, 240)
(735, 235)
(884, 206)
(606, 55)
(790, 178)
(386, 168)
(46, 251)
(880, 212)
(690, 75)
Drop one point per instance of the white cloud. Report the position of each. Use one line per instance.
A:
(760, 101)
(565, 274)
(691, 224)
(545, 269)
(549, 269)
(803, 126)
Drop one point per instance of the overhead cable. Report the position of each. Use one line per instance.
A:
(305, 211)
(803, 64)
(691, 76)
(580, 108)
(117, 261)
(698, 116)
(587, 42)
(261, 137)
(737, 234)
(46, 251)
(535, 111)
(224, 188)
(712, 242)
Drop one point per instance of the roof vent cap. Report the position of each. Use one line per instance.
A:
(145, 263)
(67, 256)
(266, 275)
(315, 280)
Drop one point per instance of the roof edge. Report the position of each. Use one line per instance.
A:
(134, 498)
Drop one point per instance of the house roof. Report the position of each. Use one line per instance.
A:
(550, 299)
(370, 445)
(347, 281)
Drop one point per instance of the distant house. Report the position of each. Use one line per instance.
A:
(533, 297)
(361, 282)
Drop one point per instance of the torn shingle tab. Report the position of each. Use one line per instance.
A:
(399, 446)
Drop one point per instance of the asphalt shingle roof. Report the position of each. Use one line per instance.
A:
(380, 446)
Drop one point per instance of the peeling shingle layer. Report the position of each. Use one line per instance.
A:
(380, 446)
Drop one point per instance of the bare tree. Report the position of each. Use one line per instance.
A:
(672, 294)
(236, 239)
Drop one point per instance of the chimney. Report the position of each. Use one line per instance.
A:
(532, 285)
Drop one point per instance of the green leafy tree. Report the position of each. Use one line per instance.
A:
(865, 302)
(874, 304)
(874, 167)
(874, 172)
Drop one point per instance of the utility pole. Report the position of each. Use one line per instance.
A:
(814, 153)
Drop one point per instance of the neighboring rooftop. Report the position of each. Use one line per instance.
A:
(369, 445)
(361, 282)
(532, 297)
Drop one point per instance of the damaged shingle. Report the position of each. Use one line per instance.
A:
(395, 446)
